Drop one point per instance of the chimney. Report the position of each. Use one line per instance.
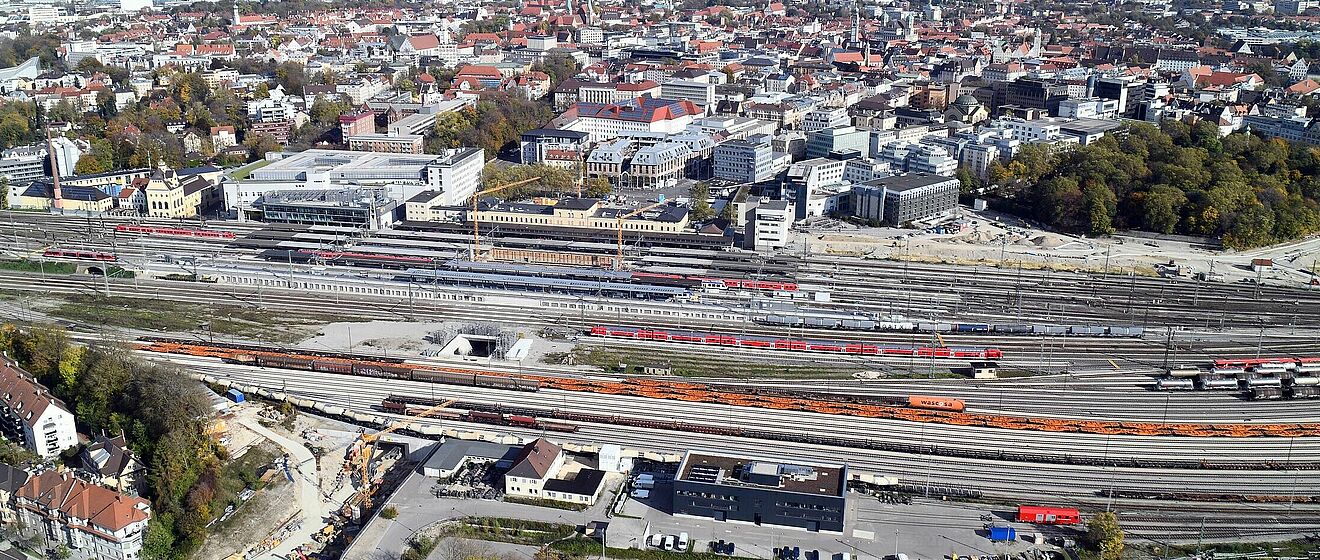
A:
(54, 171)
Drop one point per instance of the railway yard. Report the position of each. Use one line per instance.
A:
(1189, 407)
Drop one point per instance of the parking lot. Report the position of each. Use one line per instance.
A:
(925, 529)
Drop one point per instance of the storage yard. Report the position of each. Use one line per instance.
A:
(1171, 400)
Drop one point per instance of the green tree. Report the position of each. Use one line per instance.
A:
(262, 91)
(1160, 208)
(1100, 206)
(1105, 536)
(259, 145)
(88, 164)
(699, 208)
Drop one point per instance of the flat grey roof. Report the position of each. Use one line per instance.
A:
(453, 452)
(909, 181)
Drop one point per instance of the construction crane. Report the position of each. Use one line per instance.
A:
(618, 259)
(476, 196)
(368, 447)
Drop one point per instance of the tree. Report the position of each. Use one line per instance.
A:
(262, 91)
(597, 187)
(4, 192)
(88, 164)
(967, 182)
(259, 145)
(106, 106)
(699, 208)
(1106, 536)
(1100, 206)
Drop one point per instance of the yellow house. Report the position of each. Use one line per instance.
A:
(170, 196)
(73, 198)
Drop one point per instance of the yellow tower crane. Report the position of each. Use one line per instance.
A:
(369, 440)
(618, 259)
(476, 229)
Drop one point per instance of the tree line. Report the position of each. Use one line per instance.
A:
(162, 413)
(1174, 178)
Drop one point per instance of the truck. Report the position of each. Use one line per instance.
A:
(999, 533)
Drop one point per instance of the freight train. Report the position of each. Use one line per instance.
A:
(388, 371)
(397, 404)
(1256, 378)
(542, 414)
(794, 345)
(175, 232)
(870, 323)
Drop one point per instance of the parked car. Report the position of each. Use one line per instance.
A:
(683, 542)
(641, 494)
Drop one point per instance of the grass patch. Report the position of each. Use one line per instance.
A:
(683, 364)
(238, 474)
(24, 265)
(539, 502)
(158, 315)
(245, 171)
(1293, 548)
(583, 547)
(513, 531)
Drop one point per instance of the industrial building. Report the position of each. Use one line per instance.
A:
(905, 198)
(784, 492)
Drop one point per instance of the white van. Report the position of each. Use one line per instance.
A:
(640, 494)
(682, 542)
(670, 543)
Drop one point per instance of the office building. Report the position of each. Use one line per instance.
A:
(907, 198)
(386, 143)
(701, 93)
(748, 161)
(366, 208)
(821, 142)
(603, 121)
(767, 225)
(825, 117)
(560, 148)
(781, 491)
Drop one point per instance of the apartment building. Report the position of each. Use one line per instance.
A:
(95, 522)
(31, 416)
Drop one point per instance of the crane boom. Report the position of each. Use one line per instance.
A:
(476, 229)
(368, 440)
(618, 259)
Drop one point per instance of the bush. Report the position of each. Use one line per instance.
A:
(390, 512)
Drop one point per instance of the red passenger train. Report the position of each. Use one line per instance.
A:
(80, 255)
(836, 347)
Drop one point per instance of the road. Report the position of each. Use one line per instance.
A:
(312, 509)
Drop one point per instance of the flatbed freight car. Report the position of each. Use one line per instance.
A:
(397, 405)
(794, 345)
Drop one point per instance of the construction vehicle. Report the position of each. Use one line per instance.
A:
(476, 196)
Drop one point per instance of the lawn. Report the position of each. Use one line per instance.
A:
(686, 364)
(25, 265)
(168, 316)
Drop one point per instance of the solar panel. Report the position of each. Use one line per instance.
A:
(704, 473)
